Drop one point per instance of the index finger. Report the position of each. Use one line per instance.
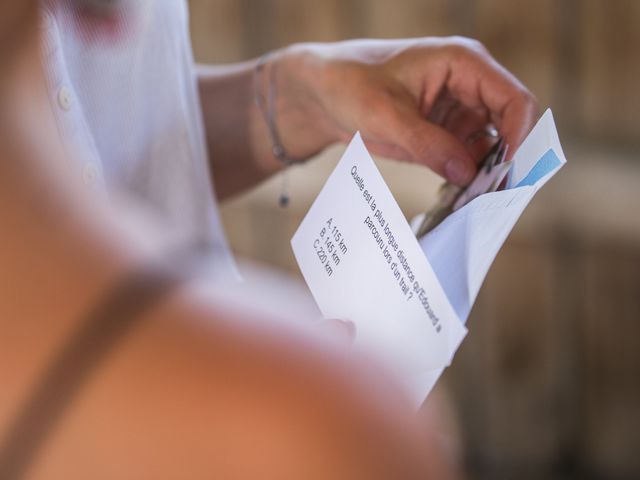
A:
(479, 81)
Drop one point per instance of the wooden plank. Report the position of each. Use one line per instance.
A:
(504, 371)
(217, 28)
(612, 362)
(611, 97)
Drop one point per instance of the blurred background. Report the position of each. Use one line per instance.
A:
(547, 384)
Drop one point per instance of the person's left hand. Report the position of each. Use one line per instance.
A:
(414, 100)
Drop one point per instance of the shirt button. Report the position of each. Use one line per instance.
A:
(65, 99)
(89, 173)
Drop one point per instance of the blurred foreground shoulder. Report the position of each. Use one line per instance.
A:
(196, 391)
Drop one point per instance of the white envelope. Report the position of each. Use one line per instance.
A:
(462, 248)
(452, 260)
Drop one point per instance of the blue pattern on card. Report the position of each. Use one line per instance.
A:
(547, 163)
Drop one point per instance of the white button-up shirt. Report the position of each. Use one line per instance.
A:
(127, 106)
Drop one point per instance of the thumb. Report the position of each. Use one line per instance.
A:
(344, 329)
(430, 145)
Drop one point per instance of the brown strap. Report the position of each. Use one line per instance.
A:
(109, 323)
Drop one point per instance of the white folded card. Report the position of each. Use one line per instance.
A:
(409, 299)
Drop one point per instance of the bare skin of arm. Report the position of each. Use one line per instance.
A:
(414, 100)
(194, 391)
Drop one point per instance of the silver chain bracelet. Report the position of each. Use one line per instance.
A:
(267, 106)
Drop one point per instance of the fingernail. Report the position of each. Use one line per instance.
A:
(457, 171)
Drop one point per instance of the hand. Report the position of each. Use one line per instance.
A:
(413, 100)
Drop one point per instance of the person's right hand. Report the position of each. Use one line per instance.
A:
(415, 100)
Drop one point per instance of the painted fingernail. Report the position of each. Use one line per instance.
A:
(457, 171)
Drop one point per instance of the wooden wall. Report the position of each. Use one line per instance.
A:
(580, 56)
